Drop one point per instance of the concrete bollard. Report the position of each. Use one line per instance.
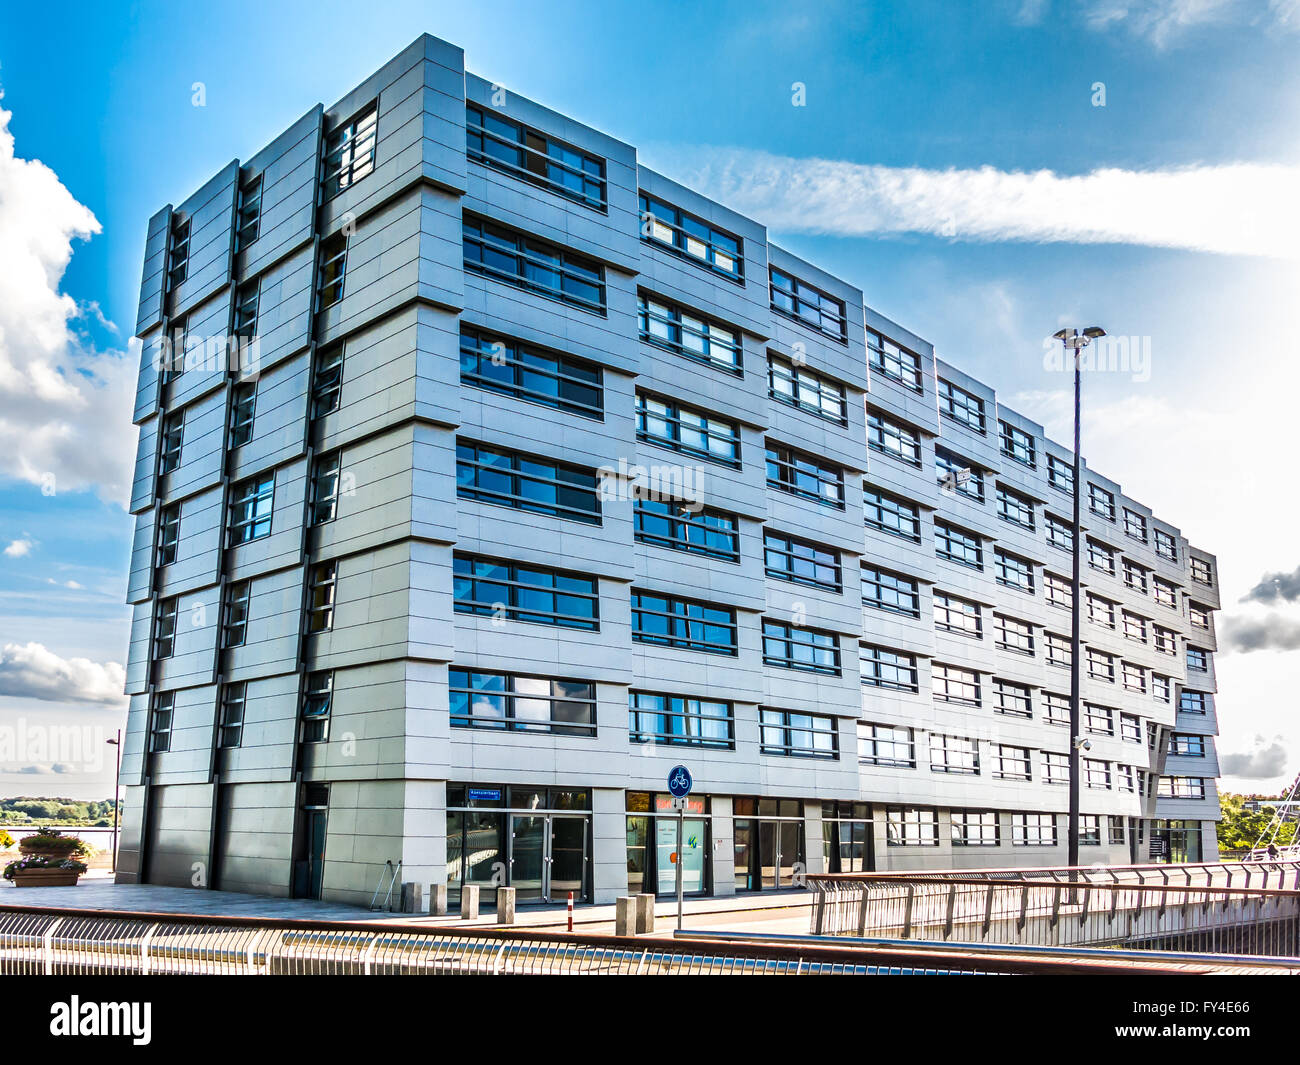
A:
(624, 916)
(645, 914)
(469, 902)
(412, 897)
(505, 905)
(438, 900)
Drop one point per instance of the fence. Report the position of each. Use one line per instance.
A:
(1254, 872)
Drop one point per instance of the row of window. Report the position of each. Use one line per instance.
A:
(919, 827)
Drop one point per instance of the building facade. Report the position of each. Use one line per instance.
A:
(485, 475)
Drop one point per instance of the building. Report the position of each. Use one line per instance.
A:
(484, 475)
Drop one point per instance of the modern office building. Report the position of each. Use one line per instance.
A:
(537, 474)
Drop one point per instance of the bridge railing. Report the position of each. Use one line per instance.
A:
(1256, 871)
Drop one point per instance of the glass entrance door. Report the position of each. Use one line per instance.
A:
(548, 856)
(528, 838)
(567, 865)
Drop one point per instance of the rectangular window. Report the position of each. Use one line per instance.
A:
(160, 722)
(1059, 534)
(1090, 830)
(169, 534)
(1013, 635)
(961, 406)
(1012, 699)
(1198, 660)
(685, 624)
(1166, 545)
(952, 684)
(1101, 611)
(882, 668)
(952, 614)
(518, 591)
(530, 155)
(1096, 774)
(1056, 768)
(1125, 778)
(173, 432)
(316, 699)
(1010, 762)
(1201, 572)
(792, 384)
(1101, 502)
(1135, 627)
(535, 265)
(326, 381)
(1134, 677)
(687, 429)
(1199, 616)
(1060, 475)
(526, 482)
(1166, 640)
(803, 475)
(1056, 708)
(1033, 830)
(1101, 666)
(1186, 745)
(1116, 830)
(686, 333)
(516, 702)
(1135, 525)
(894, 361)
(1013, 571)
(1166, 592)
(891, 592)
(909, 826)
(797, 735)
(891, 515)
(1015, 508)
(350, 152)
(886, 745)
(1181, 788)
(975, 828)
(692, 237)
(1161, 687)
(243, 408)
(893, 438)
(231, 724)
(809, 305)
(1058, 591)
(536, 375)
(1099, 720)
(249, 212)
(1058, 649)
(333, 270)
(954, 754)
(324, 490)
(683, 526)
(1017, 444)
(320, 611)
(794, 647)
(164, 629)
(1135, 576)
(957, 545)
(1101, 557)
(791, 559)
(178, 254)
(955, 474)
(246, 301)
(251, 505)
(680, 720)
(1191, 702)
(234, 621)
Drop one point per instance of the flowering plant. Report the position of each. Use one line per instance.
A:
(42, 862)
(51, 841)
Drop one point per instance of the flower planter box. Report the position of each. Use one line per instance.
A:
(45, 877)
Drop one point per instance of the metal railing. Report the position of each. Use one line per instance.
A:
(1057, 913)
(1252, 872)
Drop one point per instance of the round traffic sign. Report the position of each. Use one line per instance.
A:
(679, 782)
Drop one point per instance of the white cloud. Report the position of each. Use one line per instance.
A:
(32, 671)
(19, 548)
(65, 409)
(1236, 208)
(1167, 22)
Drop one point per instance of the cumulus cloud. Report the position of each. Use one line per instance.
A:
(32, 671)
(1255, 208)
(1167, 22)
(64, 407)
(19, 548)
(44, 769)
(1266, 759)
(1272, 632)
(1275, 586)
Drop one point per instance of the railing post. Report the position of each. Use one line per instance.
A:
(144, 949)
(47, 947)
(952, 904)
(988, 910)
(907, 912)
(862, 910)
(1024, 908)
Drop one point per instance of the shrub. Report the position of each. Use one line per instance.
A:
(43, 863)
(52, 841)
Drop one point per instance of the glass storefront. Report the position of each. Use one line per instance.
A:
(652, 842)
(847, 837)
(1184, 840)
(769, 843)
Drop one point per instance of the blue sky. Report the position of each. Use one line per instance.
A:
(907, 101)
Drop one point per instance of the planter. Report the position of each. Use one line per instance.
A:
(45, 877)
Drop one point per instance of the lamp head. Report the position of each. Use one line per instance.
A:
(1093, 332)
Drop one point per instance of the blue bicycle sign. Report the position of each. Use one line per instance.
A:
(679, 782)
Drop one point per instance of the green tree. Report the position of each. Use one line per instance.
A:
(1241, 828)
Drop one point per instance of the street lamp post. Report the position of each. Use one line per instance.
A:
(116, 743)
(1073, 340)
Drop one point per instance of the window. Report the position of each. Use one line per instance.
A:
(687, 429)
(533, 264)
(908, 826)
(234, 621)
(891, 592)
(515, 702)
(668, 325)
(975, 828)
(327, 381)
(1101, 611)
(1101, 502)
(890, 514)
(952, 614)
(1060, 475)
(954, 754)
(1013, 635)
(1058, 649)
(1125, 778)
(231, 724)
(1116, 830)
(957, 475)
(250, 509)
(1060, 533)
(1186, 745)
(803, 475)
(1191, 702)
(1058, 591)
(882, 668)
(688, 527)
(333, 268)
(1135, 576)
(894, 362)
(320, 611)
(169, 533)
(1134, 676)
(793, 647)
(173, 350)
(797, 735)
(1012, 699)
(160, 722)
(173, 431)
(886, 745)
(1010, 763)
(1166, 640)
(686, 624)
(164, 629)
(1099, 720)
(790, 383)
(350, 152)
(661, 223)
(246, 299)
(525, 482)
(325, 488)
(1198, 660)
(1015, 508)
(893, 438)
(1166, 545)
(1017, 444)
(1090, 830)
(1181, 788)
(535, 157)
(1056, 708)
(516, 591)
(316, 699)
(961, 406)
(1135, 627)
(1166, 592)
(1199, 616)
(951, 684)
(243, 407)
(1101, 557)
(789, 559)
(1101, 666)
(1161, 687)
(1201, 572)
(1013, 571)
(178, 255)
(248, 214)
(529, 373)
(1033, 830)
(1056, 768)
(803, 302)
(680, 720)
(1135, 525)
(957, 545)
(1096, 774)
